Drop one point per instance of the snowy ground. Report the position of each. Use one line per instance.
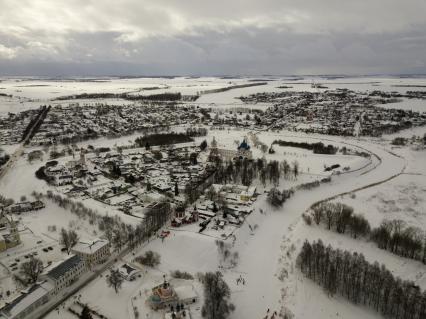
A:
(263, 253)
(266, 255)
(31, 92)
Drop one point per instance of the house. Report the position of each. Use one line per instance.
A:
(235, 193)
(24, 305)
(128, 272)
(247, 194)
(92, 252)
(62, 180)
(185, 217)
(19, 207)
(22, 207)
(186, 294)
(64, 273)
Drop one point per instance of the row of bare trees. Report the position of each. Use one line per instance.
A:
(245, 171)
(399, 238)
(341, 218)
(351, 276)
(393, 235)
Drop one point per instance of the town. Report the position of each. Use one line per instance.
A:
(339, 112)
(212, 159)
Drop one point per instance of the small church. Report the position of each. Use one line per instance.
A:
(9, 235)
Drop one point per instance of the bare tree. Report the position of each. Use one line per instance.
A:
(150, 259)
(32, 269)
(68, 239)
(115, 279)
(217, 294)
(86, 313)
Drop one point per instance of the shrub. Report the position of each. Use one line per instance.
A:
(181, 275)
(150, 259)
(307, 219)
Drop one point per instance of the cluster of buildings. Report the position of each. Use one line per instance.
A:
(74, 122)
(13, 125)
(146, 175)
(56, 278)
(231, 205)
(338, 112)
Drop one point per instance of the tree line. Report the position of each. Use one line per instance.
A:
(196, 131)
(244, 171)
(393, 235)
(400, 239)
(162, 139)
(317, 148)
(369, 284)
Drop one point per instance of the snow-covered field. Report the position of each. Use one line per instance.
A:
(31, 92)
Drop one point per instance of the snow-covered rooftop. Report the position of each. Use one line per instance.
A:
(90, 247)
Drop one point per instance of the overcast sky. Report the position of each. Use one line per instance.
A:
(212, 37)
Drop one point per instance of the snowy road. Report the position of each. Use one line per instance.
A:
(260, 253)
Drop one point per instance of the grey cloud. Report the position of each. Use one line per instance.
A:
(197, 37)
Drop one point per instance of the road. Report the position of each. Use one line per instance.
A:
(20, 150)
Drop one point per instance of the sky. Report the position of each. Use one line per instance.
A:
(212, 37)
